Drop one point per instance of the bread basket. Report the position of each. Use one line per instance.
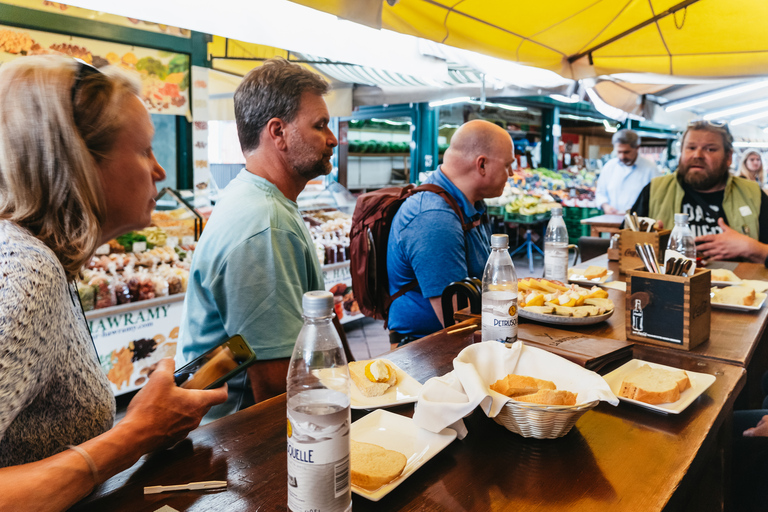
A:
(541, 421)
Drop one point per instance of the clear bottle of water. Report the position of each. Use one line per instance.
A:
(318, 413)
(556, 248)
(681, 239)
(499, 309)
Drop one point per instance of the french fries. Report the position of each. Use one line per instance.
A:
(551, 297)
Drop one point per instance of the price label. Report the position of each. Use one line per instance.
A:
(139, 246)
(102, 249)
(172, 241)
(187, 240)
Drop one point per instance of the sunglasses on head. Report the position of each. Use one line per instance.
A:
(83, 70)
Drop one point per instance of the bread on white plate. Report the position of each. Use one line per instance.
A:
(654, 385)
(373, 377)
(374, 466)
(735, 295)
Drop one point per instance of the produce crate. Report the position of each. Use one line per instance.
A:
(497, 211)
(516, 217)
(578, 213)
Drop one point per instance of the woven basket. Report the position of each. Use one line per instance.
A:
(541, 421)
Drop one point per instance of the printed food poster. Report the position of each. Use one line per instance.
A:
(112, 19)
(130, 343)
(338, 281)
(164, 75)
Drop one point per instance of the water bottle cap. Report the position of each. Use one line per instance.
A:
(499, 241)
(681, 218)
(317, 303)
(557, 210)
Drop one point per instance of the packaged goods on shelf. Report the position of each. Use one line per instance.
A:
(330, 233)
(123, 277)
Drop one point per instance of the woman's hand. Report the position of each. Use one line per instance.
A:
(761, 430)
(162, 414)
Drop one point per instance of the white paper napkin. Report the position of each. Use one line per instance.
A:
(444, 401)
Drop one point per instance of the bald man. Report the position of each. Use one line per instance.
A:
(427, 242)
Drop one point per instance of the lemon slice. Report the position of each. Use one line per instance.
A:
(370, 376)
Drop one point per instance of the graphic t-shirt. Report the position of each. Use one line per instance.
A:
(703, 210)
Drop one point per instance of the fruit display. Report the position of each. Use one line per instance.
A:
(554, 298)
(378, 146)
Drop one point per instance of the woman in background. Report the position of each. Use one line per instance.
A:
(751, 167)
(76, 169)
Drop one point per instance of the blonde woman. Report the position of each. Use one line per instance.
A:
(751, 167)
(76, 169)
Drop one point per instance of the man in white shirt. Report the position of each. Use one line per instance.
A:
(623, 177)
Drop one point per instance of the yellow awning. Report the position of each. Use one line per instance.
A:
(581, 38)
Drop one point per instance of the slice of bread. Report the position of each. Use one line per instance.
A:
(374, 466)
(514, 385)
(549, 397)
(594, 272)
(366, 386)
(722, 274)
(654, 385)
(738, 295)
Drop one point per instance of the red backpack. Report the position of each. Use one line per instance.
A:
(368, 239)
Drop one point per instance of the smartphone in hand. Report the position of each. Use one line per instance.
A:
(216, 366)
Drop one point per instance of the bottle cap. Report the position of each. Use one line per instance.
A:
(681, 218)
(557, 210)
(317, 303)
(499, 241)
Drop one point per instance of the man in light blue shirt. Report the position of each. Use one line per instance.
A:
(256, 258)
(623, 177)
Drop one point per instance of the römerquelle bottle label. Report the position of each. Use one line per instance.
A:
(318, 452)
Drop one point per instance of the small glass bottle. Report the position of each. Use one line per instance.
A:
(499, 301)
(556, 248)
(318, 413)
(681, 239)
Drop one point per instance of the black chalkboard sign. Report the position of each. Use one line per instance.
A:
(657, 311)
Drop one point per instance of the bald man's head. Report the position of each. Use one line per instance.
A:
(479, 159)
(473, 139)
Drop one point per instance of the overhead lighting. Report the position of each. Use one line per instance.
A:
(502, 106)
(581, 118)
(393, 123)
(573, 98)
(451, 101)
(751, 144)
(723, 93)
(609, 127)
(746, 119)
(736, 110)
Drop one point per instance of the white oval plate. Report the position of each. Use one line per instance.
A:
(564, 320)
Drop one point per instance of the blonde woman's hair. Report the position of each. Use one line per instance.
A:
(53, 133)
(744, 172)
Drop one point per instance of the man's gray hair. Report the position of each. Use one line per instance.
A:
(626, 137)
(274, 89)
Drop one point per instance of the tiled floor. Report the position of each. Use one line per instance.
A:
(367, 337)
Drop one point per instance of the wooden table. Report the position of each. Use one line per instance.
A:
(604, 224)
(735, 336)
(621, 458)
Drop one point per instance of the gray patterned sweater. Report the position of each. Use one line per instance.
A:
(53, 391)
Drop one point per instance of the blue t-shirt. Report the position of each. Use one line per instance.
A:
(427, 243)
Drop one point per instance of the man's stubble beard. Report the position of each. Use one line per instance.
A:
(707, 182)
(304, 162)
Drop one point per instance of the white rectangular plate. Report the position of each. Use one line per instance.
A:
(699, 383)
(574, 276)
(405, 391)
(398, 433)
(738, 307)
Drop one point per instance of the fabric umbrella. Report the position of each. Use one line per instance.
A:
(586, 38)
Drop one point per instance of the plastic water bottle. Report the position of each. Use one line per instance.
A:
(318, 413)
(556, 248)
(499, 310)
(681, 239)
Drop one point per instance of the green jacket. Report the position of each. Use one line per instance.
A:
(666, 199)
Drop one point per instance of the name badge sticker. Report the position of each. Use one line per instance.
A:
(745, 211)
